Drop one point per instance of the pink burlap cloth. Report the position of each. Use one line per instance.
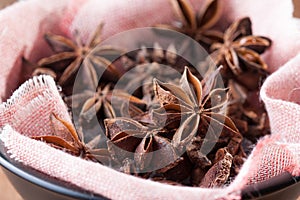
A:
(27, 111)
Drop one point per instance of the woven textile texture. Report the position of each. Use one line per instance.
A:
(27, 110)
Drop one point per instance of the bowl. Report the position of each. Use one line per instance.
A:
(33, 185)
(281, 187)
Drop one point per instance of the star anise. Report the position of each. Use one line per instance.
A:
(147, 63)
(150, 54)
(200, 105)
(92, 102)
(135, 60)
(197, 25)
(248, 112)
(128, 136)
(239, 54)
(218, 174)
(72, 54)
(75, 145)
(141, 76)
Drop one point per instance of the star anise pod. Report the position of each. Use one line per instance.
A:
(206, 171)
(128, 136)
(218, 174)
(248, 112)
(197, 25)
(76, 53)
(200, 105)
(75, 144)
(141, 76)
(156, 54)
(147, 63)
(92, 102)
(150, 54)
(239, 53)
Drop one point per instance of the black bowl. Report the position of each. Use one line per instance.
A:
(33, 185)
(281, 187)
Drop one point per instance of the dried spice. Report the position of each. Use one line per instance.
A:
(140, 78)
(147, 55)
(218, 174)
(75, 145)
(146, 63)
(197, 102)
(199, 108)
(197, 25)
(248, 112)
(185, 131)
(72, 54)
(127, 134)
(92, 102)
(239, 54)
(243, 72)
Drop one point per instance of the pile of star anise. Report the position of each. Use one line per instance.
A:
(186, 130)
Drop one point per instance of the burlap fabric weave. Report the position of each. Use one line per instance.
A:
(27, 111)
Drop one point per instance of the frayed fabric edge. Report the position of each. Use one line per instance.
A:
(37, 82)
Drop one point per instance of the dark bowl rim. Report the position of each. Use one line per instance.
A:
(272, 185)
(45, 184)
(261, 189)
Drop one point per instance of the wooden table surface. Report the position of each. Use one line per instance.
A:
(7, 191)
